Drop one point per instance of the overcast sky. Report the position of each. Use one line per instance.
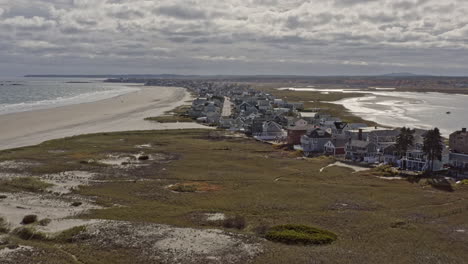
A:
(320, 37)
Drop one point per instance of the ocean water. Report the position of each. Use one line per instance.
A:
(448, 112)
(26, 94)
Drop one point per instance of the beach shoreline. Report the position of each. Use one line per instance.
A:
(121, 113)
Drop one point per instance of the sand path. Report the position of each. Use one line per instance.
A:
(121, 113)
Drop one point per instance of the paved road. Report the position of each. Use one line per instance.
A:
(227, 107)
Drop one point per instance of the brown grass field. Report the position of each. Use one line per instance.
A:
(376, 220)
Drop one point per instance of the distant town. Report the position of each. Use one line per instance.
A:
(238, 107)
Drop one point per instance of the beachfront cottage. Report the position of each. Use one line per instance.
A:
(225, 123)
(416, 160)
(314, 141)
(271, 131)
(389, 154)
(335, 147)
(264, 105)
(295, 132)
(458, 141)
(383, 137)
(459, 164)
(360, 150)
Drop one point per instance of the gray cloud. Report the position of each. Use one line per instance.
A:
(234, 36)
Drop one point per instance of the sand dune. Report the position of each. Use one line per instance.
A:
(121, 113)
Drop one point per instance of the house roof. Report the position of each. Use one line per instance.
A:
(339, 143)
(359, 143)
(318, 133)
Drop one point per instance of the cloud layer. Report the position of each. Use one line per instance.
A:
(234, 36)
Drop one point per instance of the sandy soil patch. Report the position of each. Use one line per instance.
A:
(17, 205)
(16, 165)
(9, 176)
(60, 225)
(344, 165)
(8, 253)
(143, 146)
(213, 217)
(66, 182)
(390, 178)
(136, 160)
(166, 244)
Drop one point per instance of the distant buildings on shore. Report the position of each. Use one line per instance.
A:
(239, 108)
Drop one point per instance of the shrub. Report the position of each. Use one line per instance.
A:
(69, 234)
(29, 219)
(464, 182)
(76, 204)
(28, 184)
(45, 222)
(3, 196)
(237, 222)
(300, 234)
(143, 157)
(29, 233)
(184, 188)
(262, 229)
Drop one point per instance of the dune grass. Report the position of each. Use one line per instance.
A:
(300, 234)
(28, 184)
(179, 114)
(267, 187)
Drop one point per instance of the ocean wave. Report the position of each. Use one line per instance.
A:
(63, 101)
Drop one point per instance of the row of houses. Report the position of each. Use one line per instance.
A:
(267, 118)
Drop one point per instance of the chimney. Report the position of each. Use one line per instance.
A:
(360, 134)
(464, 130)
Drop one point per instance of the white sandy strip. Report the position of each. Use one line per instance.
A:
(121, 113)
(344, 165)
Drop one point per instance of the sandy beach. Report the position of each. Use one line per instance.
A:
(121, 113)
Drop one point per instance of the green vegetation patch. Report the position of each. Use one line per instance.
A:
(300, 234)
(30, 233)
(179, 114)
(170, 119)
(29, 184)
(68, 235)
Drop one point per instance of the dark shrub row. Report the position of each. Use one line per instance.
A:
(300, 234)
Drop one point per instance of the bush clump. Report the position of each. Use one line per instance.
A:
(182, 187)
(237, 222)
(29, 184)
(464, 182)
(300, 234)
(29, 219)
(76, 204)
(29, 233)
(386, 171)
(68, 235)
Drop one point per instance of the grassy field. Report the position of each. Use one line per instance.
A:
(316, 100)
(375, 220)
(178, 114)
